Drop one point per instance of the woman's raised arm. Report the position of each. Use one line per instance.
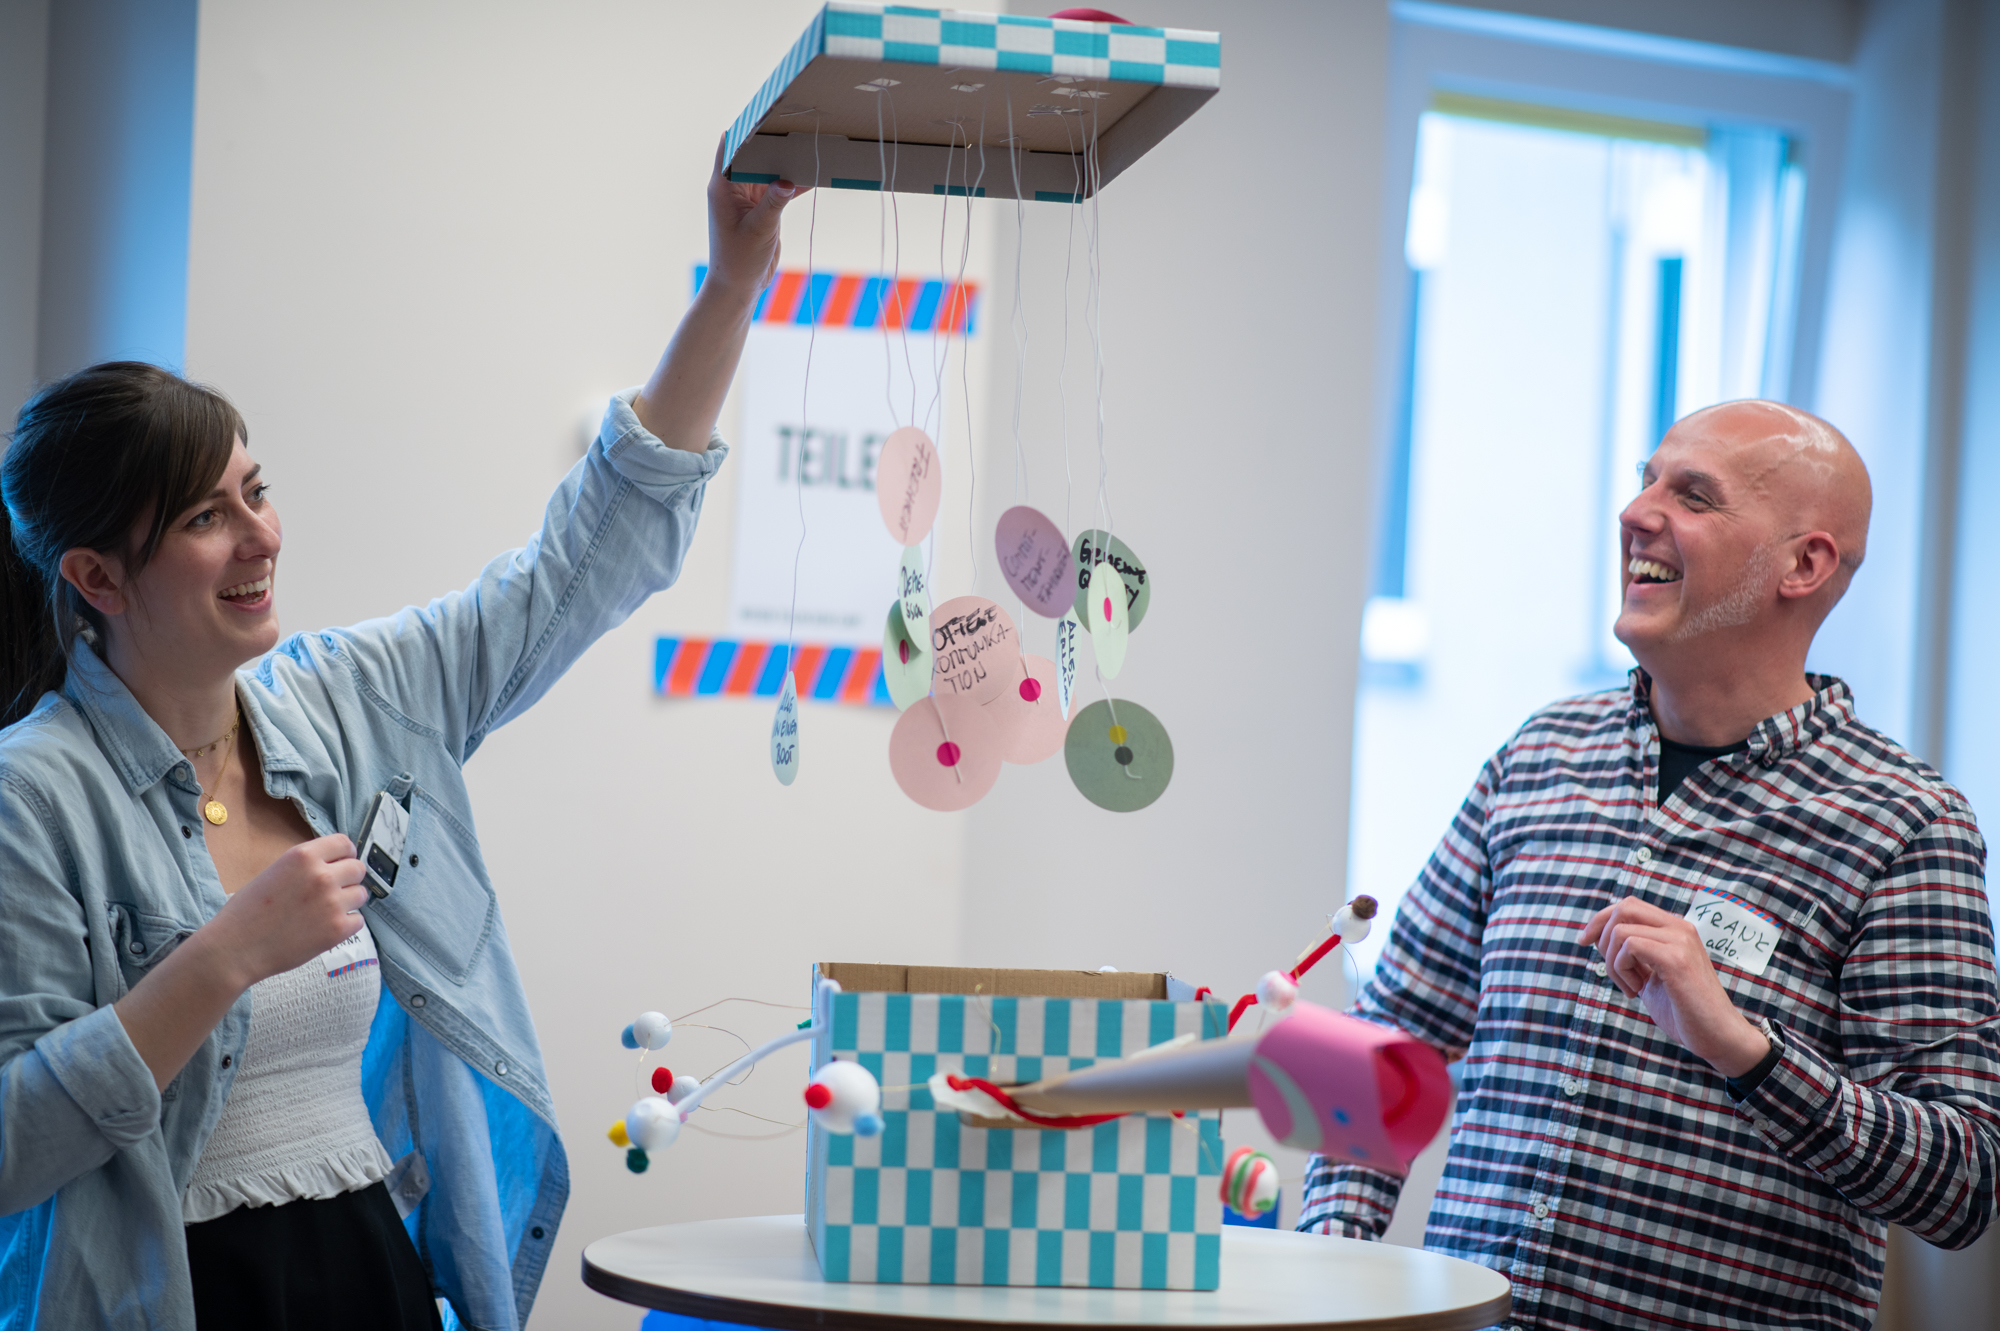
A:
(680, 402)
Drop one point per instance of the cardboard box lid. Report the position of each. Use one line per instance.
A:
(865, 977)
(927, 101)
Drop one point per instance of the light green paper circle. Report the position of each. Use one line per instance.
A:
(1138, 583)
(1093, 764)
(906, 681)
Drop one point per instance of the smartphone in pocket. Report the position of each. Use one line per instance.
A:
(381, 844)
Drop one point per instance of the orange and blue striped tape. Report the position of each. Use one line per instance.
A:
(718, 668)
(859, 300)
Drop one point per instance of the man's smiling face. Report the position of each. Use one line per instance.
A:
(1708, 541)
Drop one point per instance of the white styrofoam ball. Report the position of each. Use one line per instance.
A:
(850, 1091)
(652, 1124)
(1353, 921)
(652, 1030)
(1276, 991)
(682, 1088)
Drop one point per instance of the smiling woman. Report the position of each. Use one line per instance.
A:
(236, 1089)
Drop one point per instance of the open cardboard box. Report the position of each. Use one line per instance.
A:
(938, 1199)
(869, 977)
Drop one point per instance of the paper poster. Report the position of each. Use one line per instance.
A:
(815, 449)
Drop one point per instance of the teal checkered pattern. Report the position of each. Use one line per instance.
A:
(1130, 1204)
(958, 38)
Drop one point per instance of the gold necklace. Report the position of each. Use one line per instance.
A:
(214, 810)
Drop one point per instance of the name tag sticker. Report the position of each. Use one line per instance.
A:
(1735, 932)
(346, 957)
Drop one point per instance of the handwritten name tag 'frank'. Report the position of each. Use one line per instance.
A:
(1735, 933)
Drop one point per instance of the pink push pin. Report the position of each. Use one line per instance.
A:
(947, 753)
(1031, 689)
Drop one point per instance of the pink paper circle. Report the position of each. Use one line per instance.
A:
(1031, 728)
(914, 752)
(908, 484)
(1035, 560)
(976, 653)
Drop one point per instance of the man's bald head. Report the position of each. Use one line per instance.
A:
(1804, 468)
(1750, 523)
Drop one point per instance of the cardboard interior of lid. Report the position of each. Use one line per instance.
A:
(866, 977)
(951, 107)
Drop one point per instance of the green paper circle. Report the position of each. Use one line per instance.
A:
(1138, 583)
(1095, 770)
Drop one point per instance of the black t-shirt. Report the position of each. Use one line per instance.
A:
(1677, 760)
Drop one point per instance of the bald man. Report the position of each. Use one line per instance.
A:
(1717, 956)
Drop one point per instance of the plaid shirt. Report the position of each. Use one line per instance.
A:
(1607, 1171)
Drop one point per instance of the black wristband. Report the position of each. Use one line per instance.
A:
(1739, 1088)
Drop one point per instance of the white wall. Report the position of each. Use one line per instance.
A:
(422, 237)
(114, 233)
(24, 44)
(1875, 363)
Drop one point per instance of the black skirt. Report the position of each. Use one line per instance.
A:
(332, 1265)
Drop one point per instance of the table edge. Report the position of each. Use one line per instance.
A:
(799, 1317)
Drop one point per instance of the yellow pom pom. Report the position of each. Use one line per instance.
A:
(617, 1135)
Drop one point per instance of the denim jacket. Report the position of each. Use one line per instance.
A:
(103, 871)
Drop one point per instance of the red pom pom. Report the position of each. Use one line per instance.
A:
(818, 1096)
(663, 1080)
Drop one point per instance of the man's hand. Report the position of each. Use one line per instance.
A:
(1659, 959)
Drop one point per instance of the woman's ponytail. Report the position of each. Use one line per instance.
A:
(31, 660)
(103, 460)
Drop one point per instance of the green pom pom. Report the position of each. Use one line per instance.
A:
(636, 1161)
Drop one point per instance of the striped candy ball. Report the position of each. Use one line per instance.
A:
(1249, 1182)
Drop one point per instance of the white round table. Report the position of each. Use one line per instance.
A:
(761, 1270)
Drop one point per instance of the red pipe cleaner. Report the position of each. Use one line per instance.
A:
(958, 1083)
(1248, 1000)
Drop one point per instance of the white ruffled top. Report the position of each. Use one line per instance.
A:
(295, 1126)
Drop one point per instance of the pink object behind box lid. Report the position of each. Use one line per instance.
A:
(1348, 1088)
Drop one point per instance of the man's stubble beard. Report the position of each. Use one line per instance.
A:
(1736, 607)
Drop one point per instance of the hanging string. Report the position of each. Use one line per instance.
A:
(1094, 164)
(805, 416)
(789, 1007)
(1019, 319)
(961, 310)
(1062, 366)
(938, 334)
(882, 254)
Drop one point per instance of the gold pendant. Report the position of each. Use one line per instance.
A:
(215, 813)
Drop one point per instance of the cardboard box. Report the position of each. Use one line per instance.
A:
(928, 101)
(937, 1200)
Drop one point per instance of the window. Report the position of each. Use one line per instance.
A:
(1577, 279)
